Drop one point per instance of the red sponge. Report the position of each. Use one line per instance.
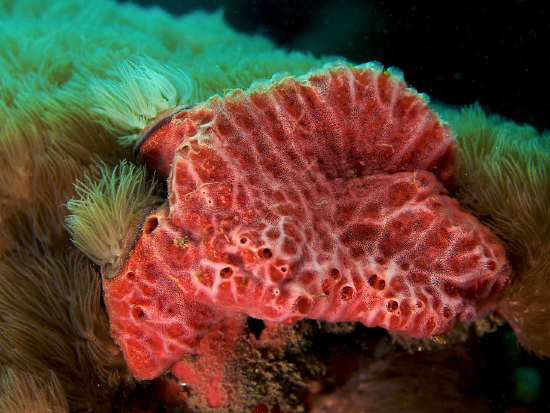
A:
(318, 197)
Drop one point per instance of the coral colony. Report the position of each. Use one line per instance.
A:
(321, 197)
(256, 214)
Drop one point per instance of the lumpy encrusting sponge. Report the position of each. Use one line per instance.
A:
(323, 197)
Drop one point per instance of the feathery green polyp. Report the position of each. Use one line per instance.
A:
(107, 210)
(143, 90)
(505, 180)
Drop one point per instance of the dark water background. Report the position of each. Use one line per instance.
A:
(497, 53)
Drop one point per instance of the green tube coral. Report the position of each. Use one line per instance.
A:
(105, 211)
(52, 319)
(144, 89)
(504, 179)
(21, 391)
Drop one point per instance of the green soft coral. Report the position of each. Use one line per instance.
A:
(55, 54)
(104, 211)
(504, 179)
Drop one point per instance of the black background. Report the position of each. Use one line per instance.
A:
(458, 52)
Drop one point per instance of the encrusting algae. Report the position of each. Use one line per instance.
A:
(63, 111)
